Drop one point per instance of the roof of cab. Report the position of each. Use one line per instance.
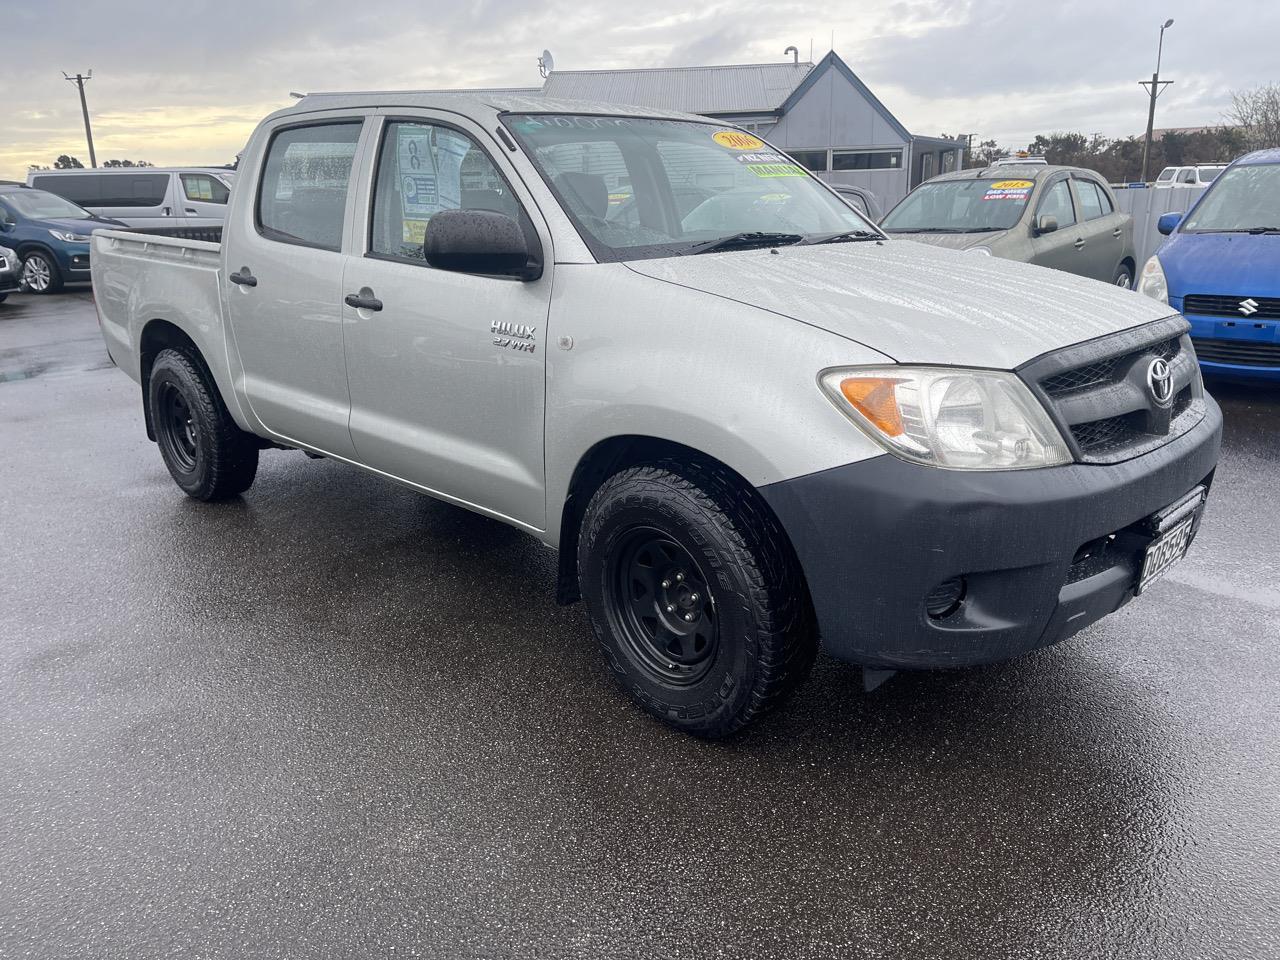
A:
(1270, 155)
(474, 103)
(1011, 171)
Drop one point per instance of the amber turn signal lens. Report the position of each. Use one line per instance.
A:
(873, 397)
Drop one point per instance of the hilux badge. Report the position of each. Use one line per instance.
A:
(1160, 381)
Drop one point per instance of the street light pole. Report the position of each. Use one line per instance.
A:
(79, 81)
(1154, 88)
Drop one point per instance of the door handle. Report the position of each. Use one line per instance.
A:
(167, 211)
(244, 278)
(362, 303)
(192, 212)
(1079, 243)
(1117, 232)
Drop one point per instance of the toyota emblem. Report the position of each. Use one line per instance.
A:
(1160, 381)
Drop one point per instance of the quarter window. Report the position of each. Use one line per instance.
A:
(303, 194)
(133, 189)
(424, 168)
(1057, 204)
(204, 188)
(866, 159)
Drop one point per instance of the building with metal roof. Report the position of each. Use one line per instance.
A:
(822, 114)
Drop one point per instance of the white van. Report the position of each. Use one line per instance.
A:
(148, 198)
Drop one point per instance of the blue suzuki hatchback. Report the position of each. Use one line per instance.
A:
(1220, 268)
(50, 234)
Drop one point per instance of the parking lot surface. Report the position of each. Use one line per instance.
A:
(338, 719)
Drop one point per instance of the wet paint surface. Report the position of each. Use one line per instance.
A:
(339, 719)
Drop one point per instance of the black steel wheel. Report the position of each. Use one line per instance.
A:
(660, 603)
(208, 456)
(695, 595)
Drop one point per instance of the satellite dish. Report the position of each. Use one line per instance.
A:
(546, 63)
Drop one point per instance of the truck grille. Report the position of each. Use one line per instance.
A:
(1098, 393)
(1216, 305)
(1245, 353)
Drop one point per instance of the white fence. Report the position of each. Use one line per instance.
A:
(1146, 205)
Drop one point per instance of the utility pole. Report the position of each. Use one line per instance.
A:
(1154, 87)
(79, 81)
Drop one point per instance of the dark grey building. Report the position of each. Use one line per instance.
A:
(821, 114)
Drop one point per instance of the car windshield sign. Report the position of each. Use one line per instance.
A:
(40, 205)
(639, 188)
(1242, 199)
(961, 206)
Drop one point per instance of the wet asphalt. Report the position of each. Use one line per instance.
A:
(337, 719)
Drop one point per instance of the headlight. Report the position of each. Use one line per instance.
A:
(949, 416)
(1153, 283)
(70, 237)
(985, 251)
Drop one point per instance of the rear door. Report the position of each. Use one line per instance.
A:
(202, 198)
(284, 259)
(1061, 249)
(447, 376)
(139, 198)
(1101, 227)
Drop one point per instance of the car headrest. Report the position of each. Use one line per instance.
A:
(585, 191)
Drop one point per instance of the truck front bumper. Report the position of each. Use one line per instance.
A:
(1034, 556)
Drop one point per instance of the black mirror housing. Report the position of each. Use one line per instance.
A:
(478, 241)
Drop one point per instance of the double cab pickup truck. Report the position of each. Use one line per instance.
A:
(750, 422)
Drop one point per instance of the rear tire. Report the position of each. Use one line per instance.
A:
(695, 596)
(40, 273)
(208, 456)
(1124, 277)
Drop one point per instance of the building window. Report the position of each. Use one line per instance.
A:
(815, 160)
(866, 159)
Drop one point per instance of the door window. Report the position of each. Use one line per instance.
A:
(1057, 204)
(1187, 176)
(424, 168)
(303, 194)
(1091, 207)
(204, 188)
(134, 189)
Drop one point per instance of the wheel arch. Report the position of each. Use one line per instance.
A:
(604, 459)
(159, 335)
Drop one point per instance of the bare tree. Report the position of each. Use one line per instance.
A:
(1257, 112)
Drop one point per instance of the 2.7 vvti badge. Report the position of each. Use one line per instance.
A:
(775, 428)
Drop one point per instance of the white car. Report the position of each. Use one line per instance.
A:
(1200, 175)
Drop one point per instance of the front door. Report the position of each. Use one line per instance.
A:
(283, 286)
(447, 376)
(1063, 248)
(202, 199)
(1102, 229)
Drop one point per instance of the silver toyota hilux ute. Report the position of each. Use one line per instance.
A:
(749, 422)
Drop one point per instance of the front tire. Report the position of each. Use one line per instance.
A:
(208, 456)
(695, 596)
(40, 273)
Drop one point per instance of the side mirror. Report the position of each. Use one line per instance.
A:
(478, 241)
(1168, 222)
(1046, 223)
(5, 225)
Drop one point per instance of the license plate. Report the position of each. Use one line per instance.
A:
(1164, 551)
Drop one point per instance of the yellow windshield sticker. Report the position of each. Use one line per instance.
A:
(737, 140)
(1011, 185)
(776, 170)
(414, 231)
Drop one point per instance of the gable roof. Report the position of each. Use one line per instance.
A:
(737, 88)
(832, 61)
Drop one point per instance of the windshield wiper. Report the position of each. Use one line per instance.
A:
(744, 241)
(844, 236)
(1256, 230)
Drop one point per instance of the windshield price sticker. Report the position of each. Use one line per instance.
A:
(737, 140)
(1008, 190)
(768, 157)
(776, 170)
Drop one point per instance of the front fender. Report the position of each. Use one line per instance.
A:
(635, 356)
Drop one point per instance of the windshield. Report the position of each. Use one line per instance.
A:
(960, 206)
(1241, 199)
(41, 205)
(639, 187)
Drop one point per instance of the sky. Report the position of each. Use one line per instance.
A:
(184, 82)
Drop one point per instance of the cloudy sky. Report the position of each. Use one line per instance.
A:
(184, 82)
